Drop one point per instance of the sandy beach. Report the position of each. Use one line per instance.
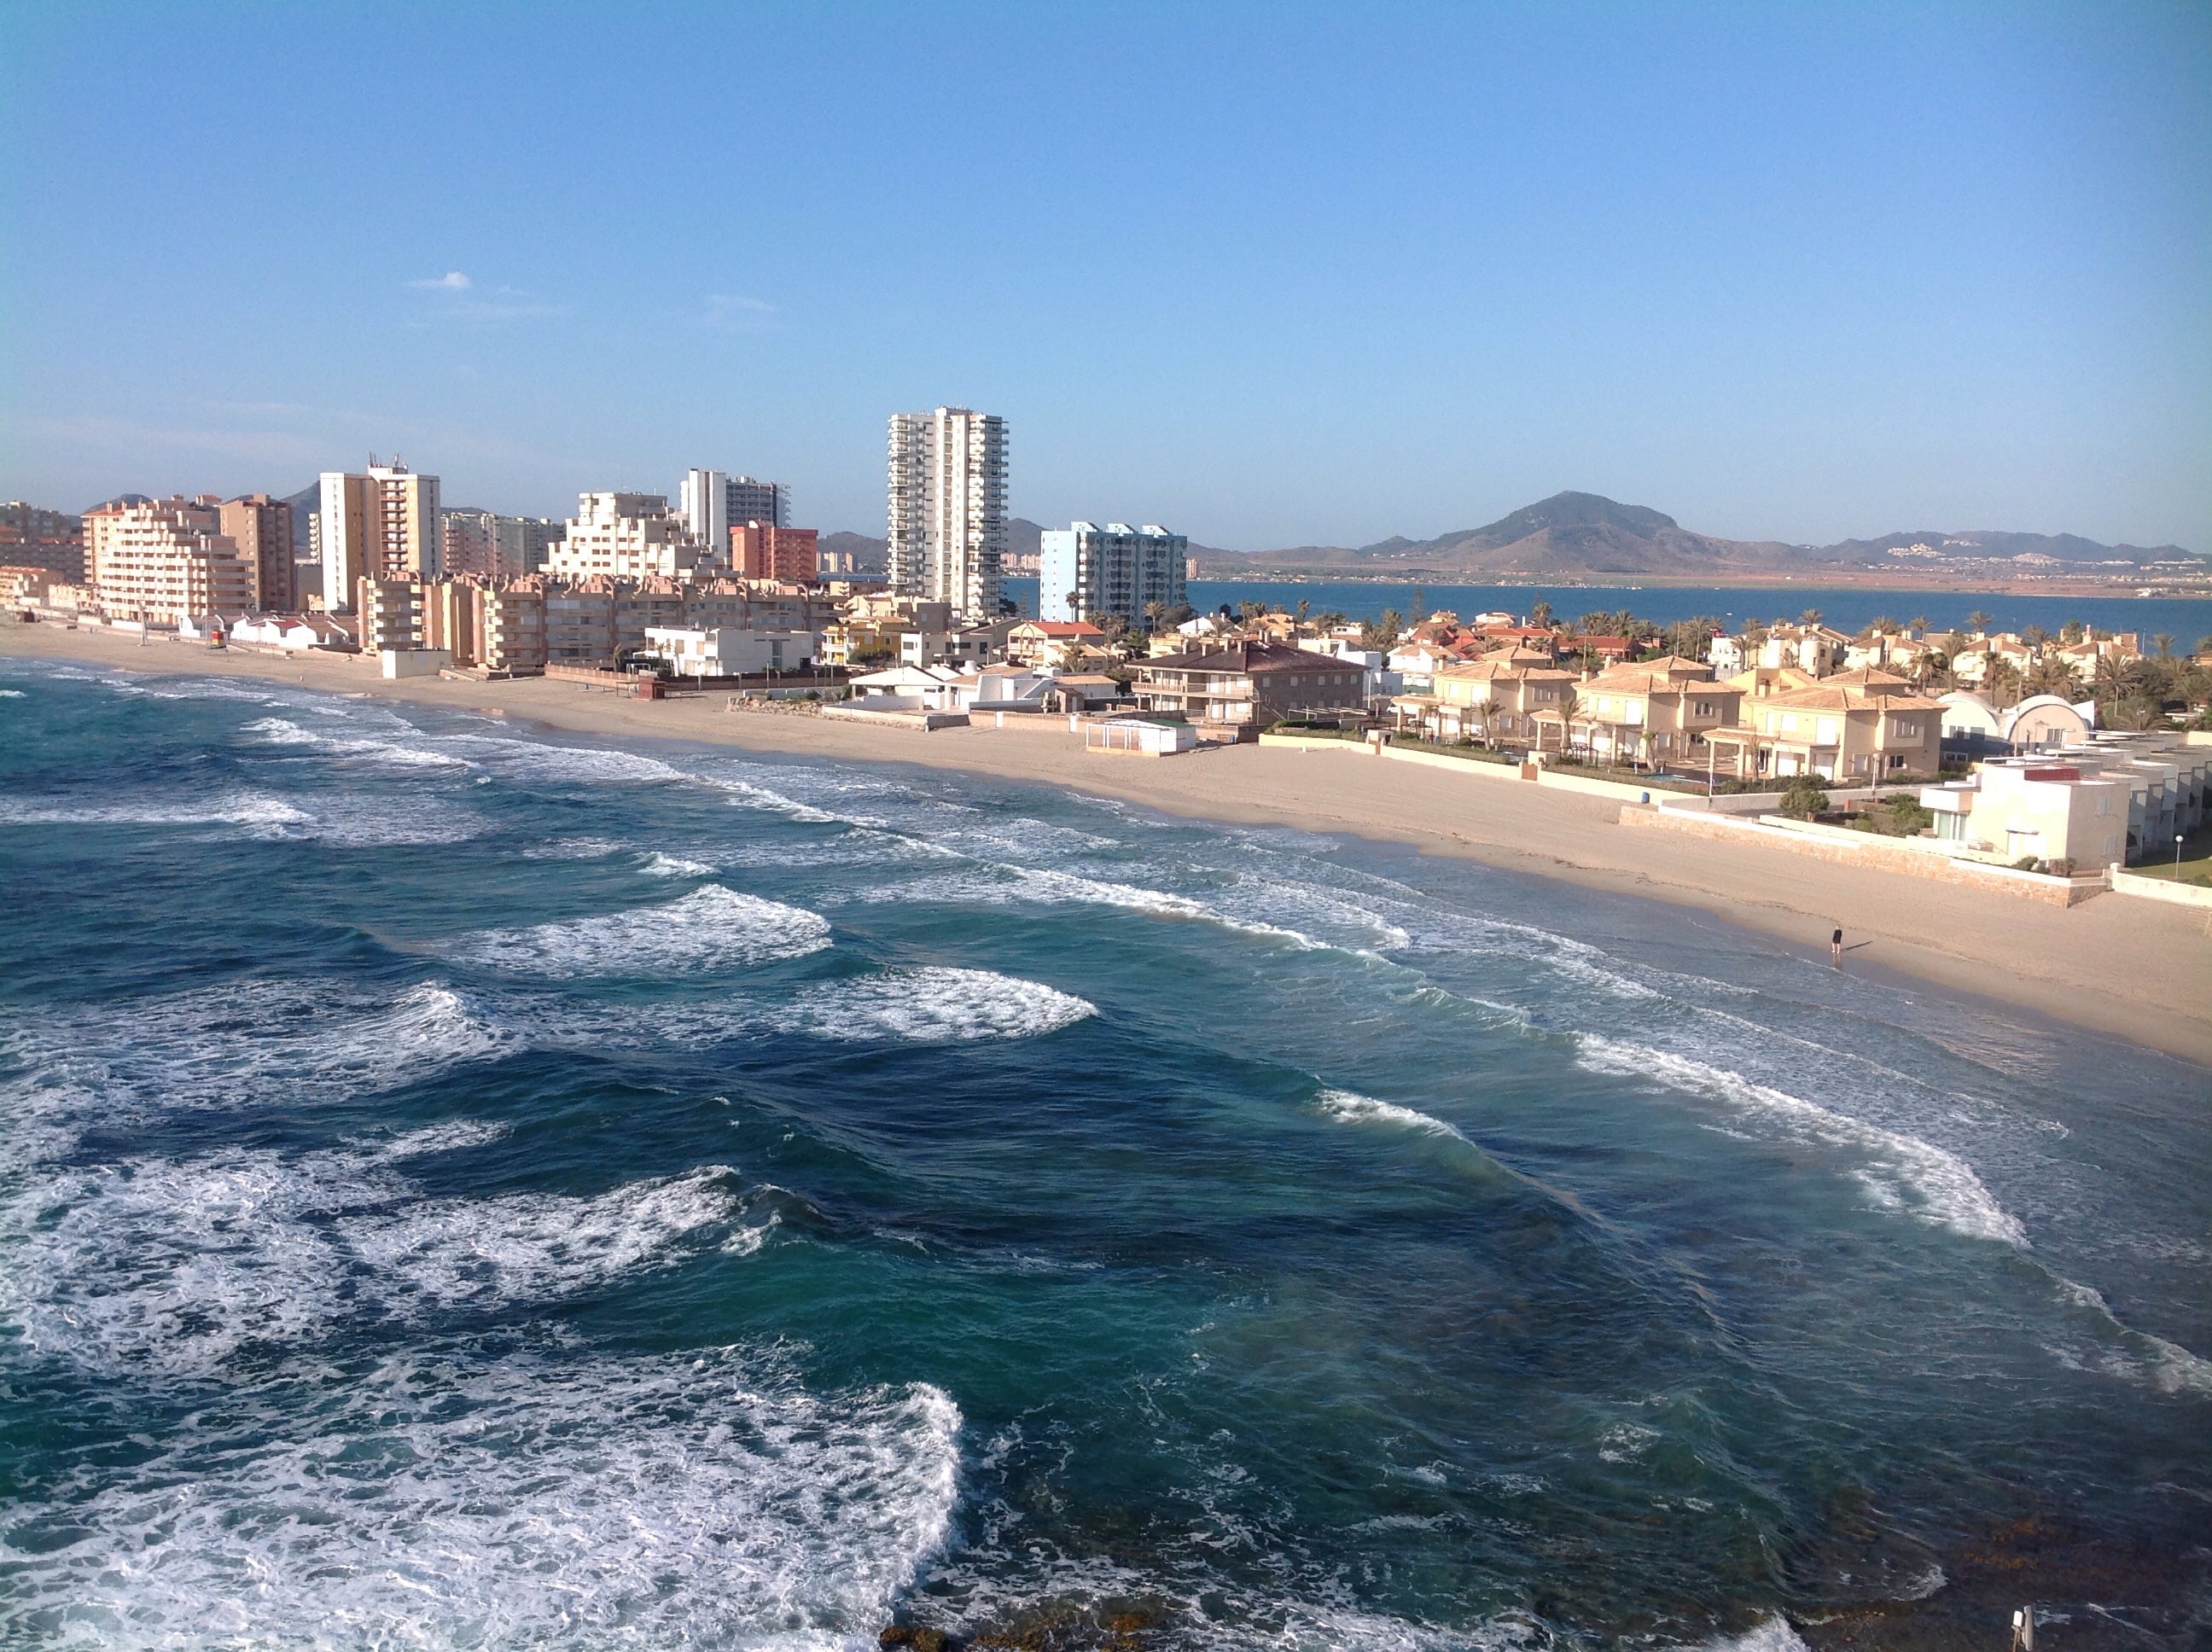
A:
(2133, 970)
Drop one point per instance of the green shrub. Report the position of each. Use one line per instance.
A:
(1804, 797)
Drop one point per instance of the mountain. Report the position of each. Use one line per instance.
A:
(1568, 534)
(1575, 535)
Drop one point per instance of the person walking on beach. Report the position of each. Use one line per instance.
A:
(1836, 947)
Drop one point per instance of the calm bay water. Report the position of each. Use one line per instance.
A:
(2185, 620)
(458, 1188)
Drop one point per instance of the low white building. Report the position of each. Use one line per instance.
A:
(1139, 737)
(2018, 809)
(731, 651)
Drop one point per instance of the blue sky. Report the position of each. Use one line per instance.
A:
(1270, 274)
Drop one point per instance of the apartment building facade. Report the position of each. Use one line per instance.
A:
(946, 518)
(627, 536)
(165, 560)
(1660, 712)
(1246, 682)
(1086, 572)
(261, 528)
(488, 545)
(31, 537)
(381, 523)
(762, 550)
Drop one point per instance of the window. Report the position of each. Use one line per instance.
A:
(1907, 729)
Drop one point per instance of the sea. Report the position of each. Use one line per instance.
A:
(1849, 608)
(466, 1188)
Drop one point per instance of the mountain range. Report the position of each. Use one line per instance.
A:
(1577, 534)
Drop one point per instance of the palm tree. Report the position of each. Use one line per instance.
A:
(2163, 643)
(1978, 621)
(1304, 606)
(1540, 612)
(2034, 635)
(1917, 625)
(2051, 675)
(1810, 617)
(2002, 678)
(1156, 613)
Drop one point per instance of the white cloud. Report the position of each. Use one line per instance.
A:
(452, 282)
(730, 310)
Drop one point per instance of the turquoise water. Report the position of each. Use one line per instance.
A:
(2185, 619)
(460, 1188)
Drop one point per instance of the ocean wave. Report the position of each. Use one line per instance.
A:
(541, 760)
(576, 848)
(934, 1005)
(309, 1039)
(530, 1247)
(455, 1496)
(11, 693)
(249, 809)
(279, 731)
(711, 928)
(1349, 1107)
(1908, 1175)
(659, 865)
(183, 1267)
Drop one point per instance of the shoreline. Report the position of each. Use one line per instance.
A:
(2135, 970)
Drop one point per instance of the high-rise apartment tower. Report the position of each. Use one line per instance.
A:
(379, 525)
(948, 509)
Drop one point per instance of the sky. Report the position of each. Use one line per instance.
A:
(1269, 275)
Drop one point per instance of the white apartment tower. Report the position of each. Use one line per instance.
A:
(704, 501)
(1114, 570)
(948, 509)
(382, 524)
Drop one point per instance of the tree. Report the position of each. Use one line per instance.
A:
(1075, 603)
(1917, 625)
(2163, 643)
(2034, 635)
(1381, 634)
(2071, 633)
(1804, 797)
(2051, 675)
(1881, 626)
(2000, 680)
(1810, 617)
(1420, 609)
(1156, 613)
(1305, 606)
(1539, 613)
(1979, 621)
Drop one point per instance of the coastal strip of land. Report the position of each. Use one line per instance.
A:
(2137, 970)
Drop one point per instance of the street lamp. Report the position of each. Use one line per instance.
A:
(2177, 852)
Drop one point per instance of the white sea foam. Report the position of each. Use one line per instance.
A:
(11, 693)
(277, 731)
(1006, 885)
(675, 866)
(538, 760)
(456, 1497)
(934, 1005)
(2152, 1361)
(239, 1043)
(1905, 1174)
(234, 809)
(1350, 1107)
(712, 927)
(1775, 1635)
(539, 1247)
(181, 1267)
(576, 848)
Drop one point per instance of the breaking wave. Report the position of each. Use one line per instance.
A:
(1908, 1174)
(711, 928)
(458, 1496)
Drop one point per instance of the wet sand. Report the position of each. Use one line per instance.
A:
(2137, 971)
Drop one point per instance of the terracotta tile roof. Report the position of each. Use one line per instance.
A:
(1250, 656)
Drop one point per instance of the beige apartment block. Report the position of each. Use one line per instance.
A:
(261, 527)
(624, 536)
(1851, 728)
(166, 560)
(390, 614)
(381, 523)
(31, 537)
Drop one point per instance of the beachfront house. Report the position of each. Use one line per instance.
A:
(1493, 699)
(1855, 727)
(1656, 715)
(1248, 683)
(2016, 809)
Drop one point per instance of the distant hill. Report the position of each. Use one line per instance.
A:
(1576, 535)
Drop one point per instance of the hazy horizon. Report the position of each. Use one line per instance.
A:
(1270, 279)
